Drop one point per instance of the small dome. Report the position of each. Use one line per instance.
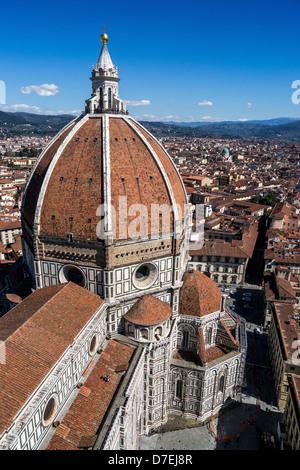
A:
(199, 295)
(148, 311)
(225, 150)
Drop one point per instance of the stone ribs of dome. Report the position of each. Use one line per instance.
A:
(95, 160)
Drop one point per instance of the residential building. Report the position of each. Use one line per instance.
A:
(283, 343)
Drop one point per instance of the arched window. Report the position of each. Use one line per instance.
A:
(221, 383)
(158, 331)
(131, 330)
(101, 98)
(209, 335)
(144, 333)
(179, 389)
(185, 339)
(109, 98)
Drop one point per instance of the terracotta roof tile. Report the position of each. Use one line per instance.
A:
(86, 413)
(148, 311)
(38, 176)
(57, 312)
(75, 188)
(289, 331)
(199, 295)
(76, 199)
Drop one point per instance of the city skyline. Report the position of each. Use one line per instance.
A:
(203, 63)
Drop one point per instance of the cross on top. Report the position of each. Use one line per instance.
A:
(104, 29)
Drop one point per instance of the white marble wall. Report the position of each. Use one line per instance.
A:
(28, 430)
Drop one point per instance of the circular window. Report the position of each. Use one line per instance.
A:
(93, 345)
(145, 275)
(50, 410)
(70, 273)
(142, 272)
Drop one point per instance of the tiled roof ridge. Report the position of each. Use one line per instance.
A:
(78, 425)
(229, 333)
(60, 288)
(138, 312)
(285, 286)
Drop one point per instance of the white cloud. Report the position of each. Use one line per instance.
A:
(249, 105)
(74, 111)
(243, 120)
(22, 107)
(205, 103)
(138, 103)
(153, 117)
(171, 118)
(41, 90)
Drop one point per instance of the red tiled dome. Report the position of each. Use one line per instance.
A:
(148, 311)
(98, 158)
(199, 295)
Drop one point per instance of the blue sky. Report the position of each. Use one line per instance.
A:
(238, 59)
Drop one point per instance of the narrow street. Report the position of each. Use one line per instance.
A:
(255, 268)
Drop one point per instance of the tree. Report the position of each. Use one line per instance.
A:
(268, 200)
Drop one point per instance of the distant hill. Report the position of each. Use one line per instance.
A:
(267, 122)
(28, 123)
(278, 128)
(248, 130)
(287, 131)
(160, 129)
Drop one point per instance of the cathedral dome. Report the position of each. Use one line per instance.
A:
(104, 194)
(199, 295)
(148, 311)
(96, 160)
(103, 164)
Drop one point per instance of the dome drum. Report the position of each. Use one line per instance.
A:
(147, 333)
(149, 319)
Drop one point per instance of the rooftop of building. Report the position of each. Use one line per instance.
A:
(289, 326)
(58, 312)
(82, 422)
(148, 310)
(199, 295)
